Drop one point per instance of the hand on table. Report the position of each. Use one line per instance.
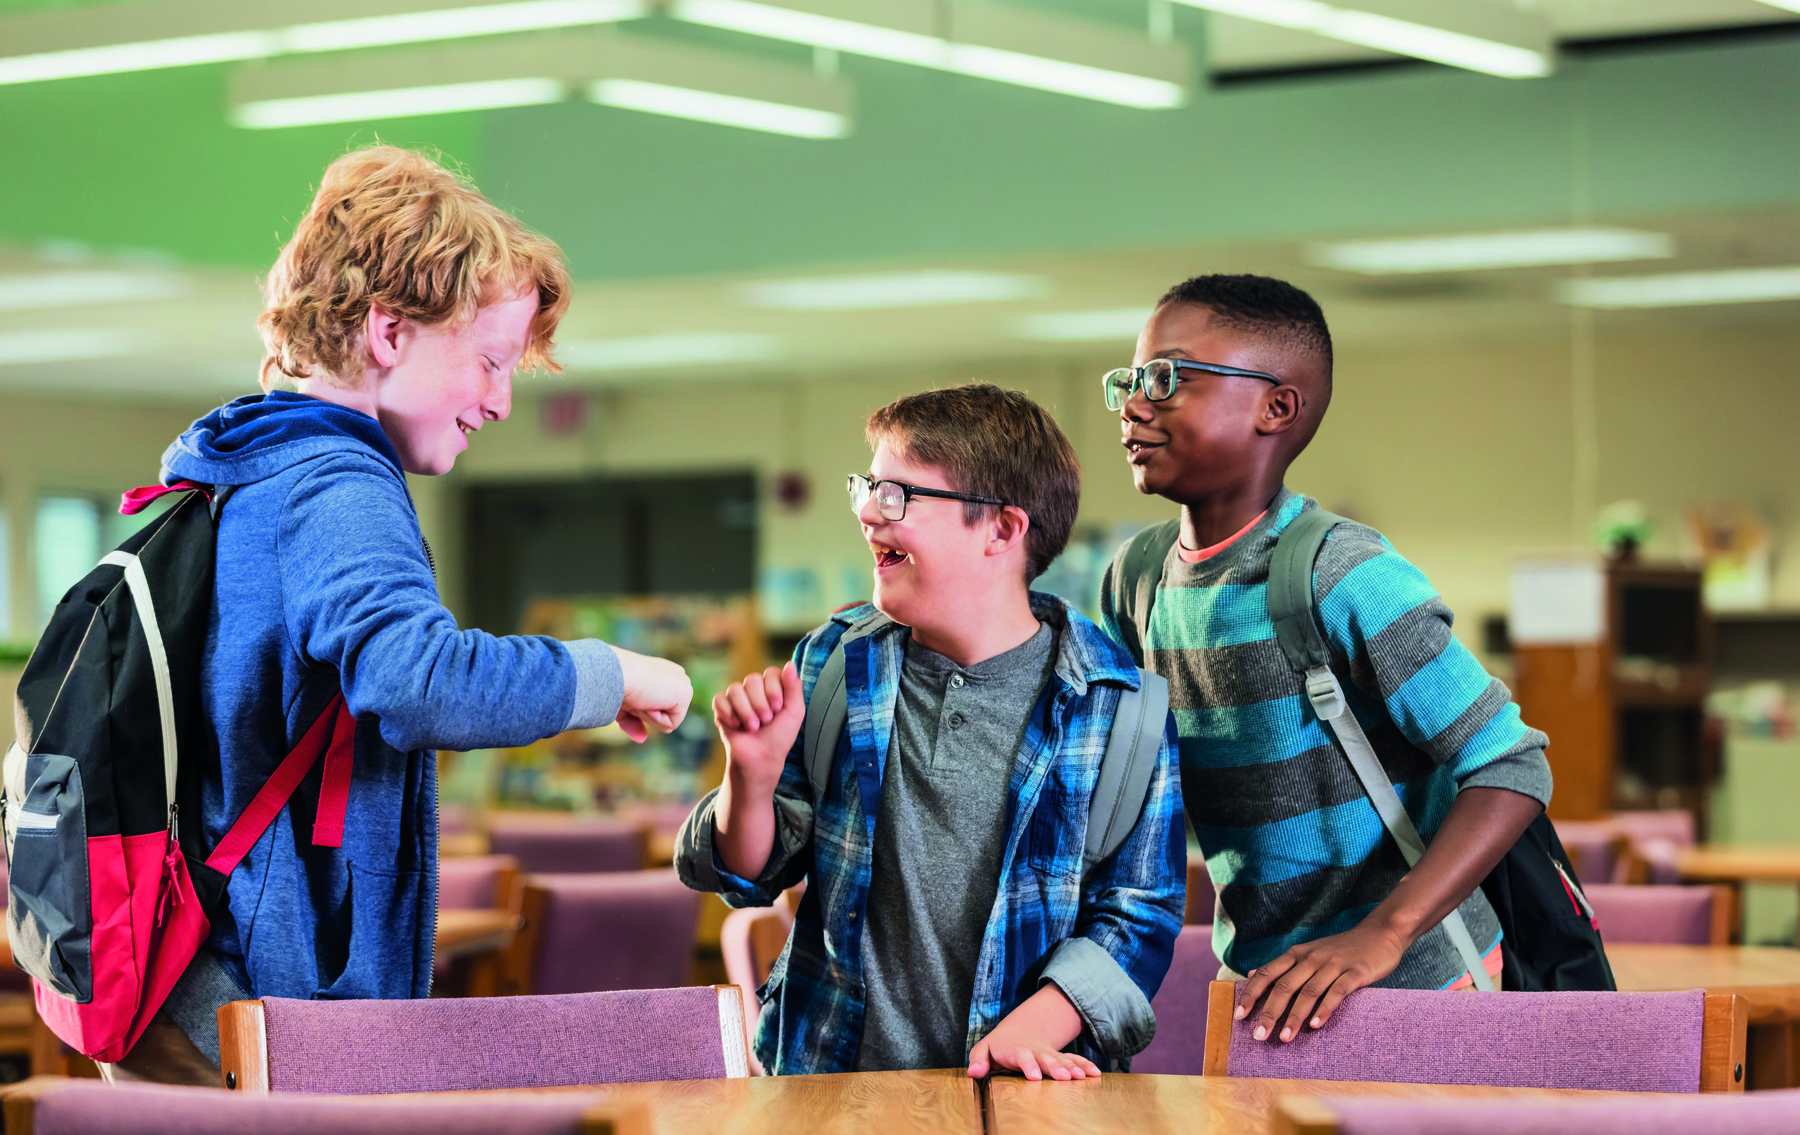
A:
(1029, 1040)
(1308, 981)
(657, 693)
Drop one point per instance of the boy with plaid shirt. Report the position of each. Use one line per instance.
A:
(950, 917)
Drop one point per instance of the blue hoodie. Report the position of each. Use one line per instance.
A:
(323, 582)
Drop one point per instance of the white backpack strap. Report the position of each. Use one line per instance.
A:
(1328, 702)
(139, 584)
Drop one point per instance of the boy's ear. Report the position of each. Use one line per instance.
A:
(1280, 410)
(381, 331)
(1007, 530)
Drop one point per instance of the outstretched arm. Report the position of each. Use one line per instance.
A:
(1305, 984)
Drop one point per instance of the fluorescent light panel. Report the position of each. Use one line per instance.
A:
(903, 289)
(405, 102)
(726, 110)
(1684, 289)
(655, 351)
(1465, 252)
(65, 345)
(1119, 323)
(80, 289)
(1404, 37)
(932, 51)
(335, 35)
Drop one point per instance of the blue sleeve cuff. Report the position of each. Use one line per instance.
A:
(599, 684)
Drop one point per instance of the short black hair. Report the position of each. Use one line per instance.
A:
(1260, 304)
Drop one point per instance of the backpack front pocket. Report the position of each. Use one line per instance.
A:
(49, 919)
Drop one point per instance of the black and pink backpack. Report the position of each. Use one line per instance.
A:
(111, 884)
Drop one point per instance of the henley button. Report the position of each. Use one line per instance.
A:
(956, 681)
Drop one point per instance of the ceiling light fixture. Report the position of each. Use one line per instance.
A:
(612, 68)
(404, 102)
(1467, 252)
(1017, 46)
(652, 351)
(726, 110)
(1491, 39)
(80, 289)
(65, 345)
(1684, 289)
(1118, 324)
(900, 289)
(69, 44)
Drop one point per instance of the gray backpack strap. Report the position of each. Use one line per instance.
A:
(828, 708)
(825, 715)
(1127, 766)
(1297, 632)
(1136, 571)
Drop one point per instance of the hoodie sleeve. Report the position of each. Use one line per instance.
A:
(357, 593)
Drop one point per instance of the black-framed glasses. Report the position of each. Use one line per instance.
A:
(1159, 376)
(891, 496)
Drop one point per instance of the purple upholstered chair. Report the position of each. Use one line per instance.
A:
(1596, 848)
(1201, 898)
(1676, 916)
(569, 846)
(465, 1044)
(85, 1107)
(613, 930)
(1180, 1006)
(453, 819)
(1633, 1042)
(1757, 1113)
(475, 882)
(750, 940)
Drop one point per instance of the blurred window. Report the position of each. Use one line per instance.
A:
(67, 546)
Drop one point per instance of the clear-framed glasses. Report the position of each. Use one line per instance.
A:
(1159, 376)
(891, 496)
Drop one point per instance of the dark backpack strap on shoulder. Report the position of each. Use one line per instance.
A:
(829, 708)
(1136, 573)
(221, 494)
(825, 716)
(1127, 766)
(1291, 589)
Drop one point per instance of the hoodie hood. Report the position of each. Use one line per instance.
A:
(259, 435)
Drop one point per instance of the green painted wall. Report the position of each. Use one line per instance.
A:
(945, 166)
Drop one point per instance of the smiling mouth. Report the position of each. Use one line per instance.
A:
(1138, 451)
(886, 557)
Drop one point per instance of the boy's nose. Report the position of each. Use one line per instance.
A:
(1137, 408)
(498, 404)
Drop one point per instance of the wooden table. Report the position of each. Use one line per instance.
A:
(473, 941)
(1722, 863)
(1130, 1104)
(856, 1103)
(1766, 977)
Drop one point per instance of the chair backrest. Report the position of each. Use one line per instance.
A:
(569, 846)
(1673, 824)
(478, 882)
(1597, 849)
(1201, 898)
(1675, 916)
(470, 1043)
(50, 1106)
(1754, 1113)
(750, 940)
(453, 819)
(1633, 1042)
(612, 930)
(1180, 1045)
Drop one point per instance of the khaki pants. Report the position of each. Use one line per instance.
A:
(163, 1055)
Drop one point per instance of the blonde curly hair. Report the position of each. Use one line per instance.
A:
(393, 227)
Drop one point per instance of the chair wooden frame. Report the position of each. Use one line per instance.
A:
(244, 1043)
(1724, 1025)
(18, 1108)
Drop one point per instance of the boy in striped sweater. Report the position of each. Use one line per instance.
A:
(1315, 899)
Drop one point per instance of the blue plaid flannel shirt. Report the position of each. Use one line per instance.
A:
(1105, 935)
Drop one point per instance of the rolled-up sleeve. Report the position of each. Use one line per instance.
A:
(697, 858)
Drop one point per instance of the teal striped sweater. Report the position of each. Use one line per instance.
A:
(1294, 847)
